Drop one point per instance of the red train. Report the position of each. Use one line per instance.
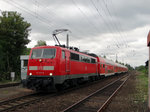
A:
(55, 66)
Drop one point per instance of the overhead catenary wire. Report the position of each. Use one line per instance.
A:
(49, 19)
(117, 45)
(27, 11)
(114, 24)
(84, 14)
(120, 26)
(110, 26)
(115, 27)
(125, 34)
(101, 17)
(70, 26)
(19, 6)
(37, 16)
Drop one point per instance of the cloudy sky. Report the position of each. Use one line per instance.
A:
(115, 28)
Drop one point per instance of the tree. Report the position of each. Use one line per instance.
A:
(14, 32)
(104, 56)
(41, 43)
(142, 69)
(129, 67)
(27, 51)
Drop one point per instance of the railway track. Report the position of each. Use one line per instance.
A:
(99, 100)
(15, 103)
(9, 85)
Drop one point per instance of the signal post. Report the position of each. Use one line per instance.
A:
(148, 44)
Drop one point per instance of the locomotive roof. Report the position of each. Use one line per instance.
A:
(103, 60)
(39, 47)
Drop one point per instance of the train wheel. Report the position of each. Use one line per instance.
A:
(73, 83)
(59, 87)
(63, 86)
(80, 81)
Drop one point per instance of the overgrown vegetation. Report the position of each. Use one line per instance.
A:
(142, 84)
(14, 31)
(26, 51)
(142, 69)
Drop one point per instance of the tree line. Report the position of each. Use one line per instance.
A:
(14, 32)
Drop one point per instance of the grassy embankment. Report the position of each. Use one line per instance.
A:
(141, 95)
(142, 85)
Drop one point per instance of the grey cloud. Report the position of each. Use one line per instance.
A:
(99, 32)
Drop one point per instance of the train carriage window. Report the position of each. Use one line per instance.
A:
(88, 60)
(81, 58)
(103, 66)
(93, 61)
(74, 56)
(84, 59)
(63, 54)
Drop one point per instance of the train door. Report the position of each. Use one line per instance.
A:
(67, 62)
(106, 68)
(99, 68)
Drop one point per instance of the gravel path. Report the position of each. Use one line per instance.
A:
(11, 92)
(125, 100)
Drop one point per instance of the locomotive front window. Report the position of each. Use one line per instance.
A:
(43, 53)
(48, 53)
(36, 53)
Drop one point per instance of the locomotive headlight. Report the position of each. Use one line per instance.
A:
(50, 74)
(30, 74)
(40, 60)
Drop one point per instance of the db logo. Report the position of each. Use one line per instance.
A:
(40, 67)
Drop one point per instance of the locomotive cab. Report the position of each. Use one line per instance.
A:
(41, 67)
(42, 62)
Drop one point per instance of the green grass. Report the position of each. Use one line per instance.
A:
(142, 87)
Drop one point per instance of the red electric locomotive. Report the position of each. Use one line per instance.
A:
(54, 66)
(51, 66)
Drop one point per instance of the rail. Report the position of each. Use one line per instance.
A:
(20, 101)
(98, 100)
(13, 104)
